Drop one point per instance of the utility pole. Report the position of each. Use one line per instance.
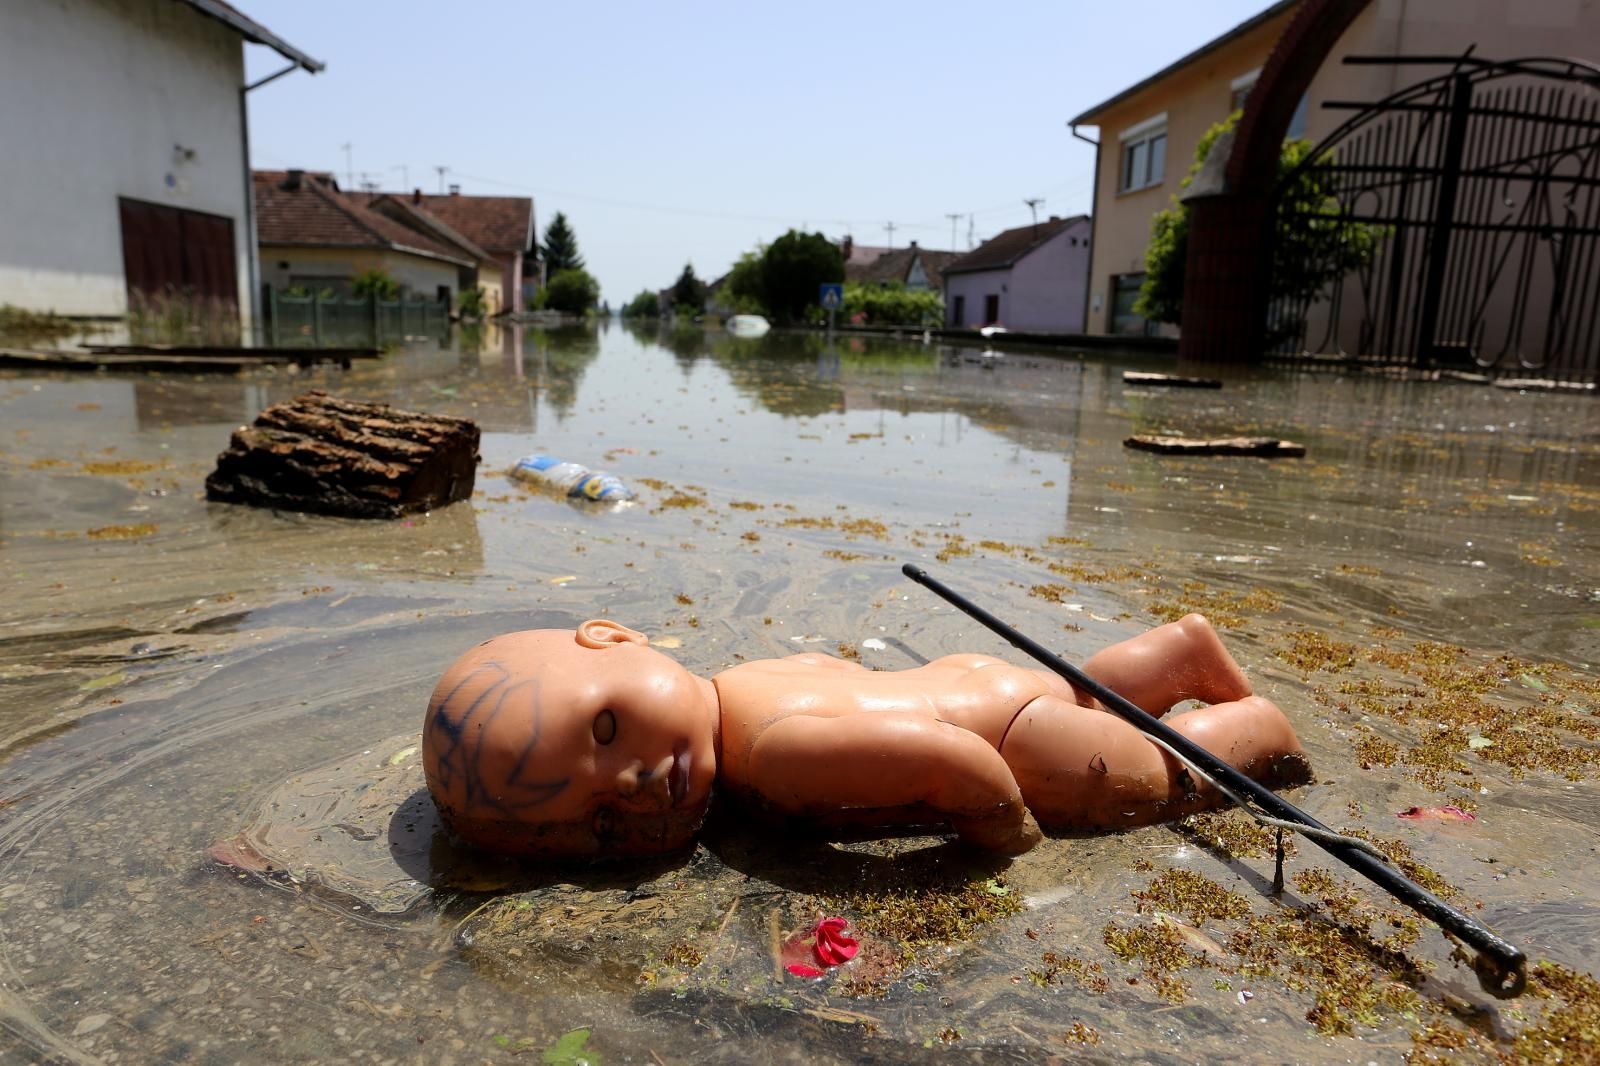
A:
(349, 171)
(442, 171)
(969, 233)
(890, 227)
(952, 217)
(1033, 205)
(405, 176)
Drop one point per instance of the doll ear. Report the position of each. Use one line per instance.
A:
(600, 633)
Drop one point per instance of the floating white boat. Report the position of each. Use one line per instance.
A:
(748, 325)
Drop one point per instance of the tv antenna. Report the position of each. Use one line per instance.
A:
(1033, 205)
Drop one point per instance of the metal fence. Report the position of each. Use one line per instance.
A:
(1455, 223)
(322, 318)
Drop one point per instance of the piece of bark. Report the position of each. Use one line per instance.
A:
(1265, 447)
(1171, 381)
(325, 455)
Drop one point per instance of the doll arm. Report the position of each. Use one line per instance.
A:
(883, 760)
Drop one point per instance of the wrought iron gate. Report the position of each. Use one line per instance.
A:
(1455, 223)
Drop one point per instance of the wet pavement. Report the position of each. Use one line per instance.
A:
(184, 680)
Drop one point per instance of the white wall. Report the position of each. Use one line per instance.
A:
(416, 274)
(94, 94)
(1042, 292)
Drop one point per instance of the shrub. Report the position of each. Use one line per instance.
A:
(892, 305)
(375, 282)
(572, 290)
(1305, 258)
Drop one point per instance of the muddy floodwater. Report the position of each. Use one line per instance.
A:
(215, 846)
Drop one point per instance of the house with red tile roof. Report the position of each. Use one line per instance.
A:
(501, 225)
(914, 267)
(312, 235)
(487, 276)
(859, 257)
(126, 138)
(1030, 278)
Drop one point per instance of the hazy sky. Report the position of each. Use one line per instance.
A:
(691, 132)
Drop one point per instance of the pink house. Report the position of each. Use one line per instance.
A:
(1032, 278)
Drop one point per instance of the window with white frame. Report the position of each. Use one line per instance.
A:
(1239, 90)
(1144, 153)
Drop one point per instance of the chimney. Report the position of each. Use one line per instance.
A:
(1055, 218)
(416, 196)
(455, 190)
(292, 182)
(913, 245)
(846, 245)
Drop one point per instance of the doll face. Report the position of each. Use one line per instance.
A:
(555, 743)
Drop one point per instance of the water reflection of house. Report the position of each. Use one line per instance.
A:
(1148, 131)
(1029, 278)
(124, 173)
(313, 236)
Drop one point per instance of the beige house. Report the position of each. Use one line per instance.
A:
(312, 236)
(1147, 133)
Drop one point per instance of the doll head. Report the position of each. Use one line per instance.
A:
(559, 743)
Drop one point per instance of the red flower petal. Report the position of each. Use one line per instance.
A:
(833, 947)
(1447, 813)
(800, 969)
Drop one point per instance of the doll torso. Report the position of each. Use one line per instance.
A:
(978, 693)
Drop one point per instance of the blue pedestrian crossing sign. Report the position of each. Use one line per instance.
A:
(832, 295)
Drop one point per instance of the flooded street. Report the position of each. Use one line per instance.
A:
(182, 679)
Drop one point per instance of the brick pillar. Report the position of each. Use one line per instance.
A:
(1225, 284)
(1225, 279)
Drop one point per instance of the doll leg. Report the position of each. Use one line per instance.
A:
(1182, 660)
(1083, 768)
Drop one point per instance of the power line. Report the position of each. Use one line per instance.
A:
(788, 220)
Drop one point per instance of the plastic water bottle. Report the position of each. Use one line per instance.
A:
(571, 478)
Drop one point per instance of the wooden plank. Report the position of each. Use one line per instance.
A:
(1170, 381)
(214, 352)
(325, 455)
(1263, 447)
(32, 359)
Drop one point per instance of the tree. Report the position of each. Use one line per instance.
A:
(572, 290)
(793, 269)
(689, 291)
(375, 282)
(741, 289)
(645, 305)
(560, 247)
(1323, 248)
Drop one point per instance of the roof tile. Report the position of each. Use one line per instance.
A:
(315, 212)
(1003, 250)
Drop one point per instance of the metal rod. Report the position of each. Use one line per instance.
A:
(1504, 975)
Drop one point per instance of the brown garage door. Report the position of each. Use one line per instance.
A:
(168, 252)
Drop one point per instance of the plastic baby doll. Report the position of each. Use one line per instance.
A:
(591, 743)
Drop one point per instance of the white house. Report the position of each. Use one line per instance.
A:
(1030, 278)
(124, 173)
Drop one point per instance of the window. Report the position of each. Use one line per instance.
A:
(1144, 153)
(1125, 322)
(958, 311)
(1240, 88)
(1297, 121)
